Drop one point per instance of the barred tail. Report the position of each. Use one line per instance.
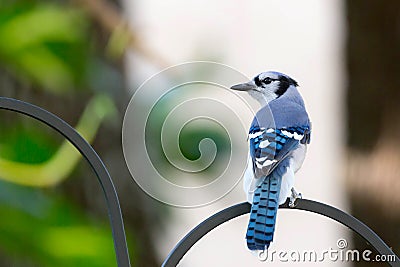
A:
(260, 231)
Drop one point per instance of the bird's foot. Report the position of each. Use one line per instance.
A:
(293, 197)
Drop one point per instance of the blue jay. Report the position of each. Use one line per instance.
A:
(278, 138)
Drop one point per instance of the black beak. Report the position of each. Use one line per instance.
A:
(244, 86)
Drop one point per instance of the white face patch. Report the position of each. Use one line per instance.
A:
(268, 86)
(262, 96)
(266, 92)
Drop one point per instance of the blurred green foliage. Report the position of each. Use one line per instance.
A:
(50, 231)
(27, 143)
(45, 43)
(48, 46)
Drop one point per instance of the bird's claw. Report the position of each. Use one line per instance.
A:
(293, 197)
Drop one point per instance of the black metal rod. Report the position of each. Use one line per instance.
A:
(114, 210)
(301, 204)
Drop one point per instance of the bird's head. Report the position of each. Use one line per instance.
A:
(267, 86)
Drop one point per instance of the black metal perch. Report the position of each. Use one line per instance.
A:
(302, 204)
(203, 228)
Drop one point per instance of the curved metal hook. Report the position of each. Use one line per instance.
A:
(301, 204)
(114, 210)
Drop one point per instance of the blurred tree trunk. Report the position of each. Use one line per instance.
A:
(373, 107)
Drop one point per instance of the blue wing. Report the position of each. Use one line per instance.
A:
(270, 146)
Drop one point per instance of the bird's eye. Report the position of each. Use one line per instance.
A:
(267, 80)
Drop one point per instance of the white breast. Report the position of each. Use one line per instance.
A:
(298, 157)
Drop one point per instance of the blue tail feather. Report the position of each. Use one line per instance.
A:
(260, 230)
